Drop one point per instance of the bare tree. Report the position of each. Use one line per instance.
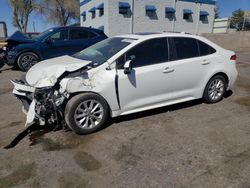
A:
(21, 11)
(60, 12)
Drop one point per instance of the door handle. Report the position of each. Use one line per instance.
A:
(168, 70)
(205, 62)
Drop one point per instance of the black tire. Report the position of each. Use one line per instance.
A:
(219, 92)
(1, 64)
(75, 103)
(26, 60)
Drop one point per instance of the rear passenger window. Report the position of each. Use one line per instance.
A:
(81, 34)
(185, 47)
(150, 52)
(205, 49)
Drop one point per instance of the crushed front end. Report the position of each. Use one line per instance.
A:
(43, 106)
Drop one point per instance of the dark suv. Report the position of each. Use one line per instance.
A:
(24, 52)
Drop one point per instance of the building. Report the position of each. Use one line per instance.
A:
(133, 16)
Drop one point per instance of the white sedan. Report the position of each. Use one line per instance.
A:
(122, 75)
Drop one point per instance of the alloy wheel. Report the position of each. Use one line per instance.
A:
(88, 114)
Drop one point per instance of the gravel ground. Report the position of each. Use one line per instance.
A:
(186, 145)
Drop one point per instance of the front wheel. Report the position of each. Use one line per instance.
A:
(26, 60)
(86, 113)
(215, 89)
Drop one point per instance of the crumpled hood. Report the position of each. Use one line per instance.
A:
(45, 73)
(19, 37)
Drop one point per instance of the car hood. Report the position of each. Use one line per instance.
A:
(19, 37)
(46, 73)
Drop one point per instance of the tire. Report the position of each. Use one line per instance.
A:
(79, 116)
(1, 64)
(215, 89)
(26, 60)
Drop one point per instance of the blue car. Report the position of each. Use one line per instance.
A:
(24, 52)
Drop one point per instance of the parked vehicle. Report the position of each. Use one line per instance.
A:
(123, 75)
(3, 36)
(31, 34)
(24, 52)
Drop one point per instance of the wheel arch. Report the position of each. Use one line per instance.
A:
(221, 74)
(28, 50)
(216, 74)
(92, 92)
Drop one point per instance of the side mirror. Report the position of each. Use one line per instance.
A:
(127, 67)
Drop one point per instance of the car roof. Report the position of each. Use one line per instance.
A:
(139, 37)
(78, 27)
(149, 35)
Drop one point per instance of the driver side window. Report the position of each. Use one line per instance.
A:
(60, 36)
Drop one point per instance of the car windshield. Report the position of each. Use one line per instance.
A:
(102, 51)
(41, 35)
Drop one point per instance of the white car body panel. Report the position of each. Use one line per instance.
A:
(145, 87)
(45, 73)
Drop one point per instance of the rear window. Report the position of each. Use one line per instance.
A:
(76, 34)
(205, 49)
(185, 47)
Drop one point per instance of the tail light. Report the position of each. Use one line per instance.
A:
(233, 57)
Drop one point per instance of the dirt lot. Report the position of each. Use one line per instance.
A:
(187, 145)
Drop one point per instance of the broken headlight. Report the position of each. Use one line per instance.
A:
(42, 94)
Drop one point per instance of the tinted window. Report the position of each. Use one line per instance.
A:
(81, 34)
(60, 35)
(149, 52)
(185, 47)
(205, 49)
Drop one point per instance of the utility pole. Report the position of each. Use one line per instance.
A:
(132, 16)
(173, 29)
(244, 20)
(34, 27)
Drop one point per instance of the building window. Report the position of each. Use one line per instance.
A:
(124, 7)
(150, 11)
(203, 16)
(84, 18)
(187, 14)
(101, 9)
(83, 14)
(92, 11)
(170, 13)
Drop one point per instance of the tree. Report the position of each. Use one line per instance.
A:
(21, 11)
(60, 12)
(237, 19)
(216, 15)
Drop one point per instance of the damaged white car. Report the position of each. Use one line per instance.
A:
(123, 75)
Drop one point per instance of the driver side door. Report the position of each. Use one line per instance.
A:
(57, 44)
(149, 83)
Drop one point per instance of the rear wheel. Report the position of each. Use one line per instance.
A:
(86, 113)
(26, 60)
(215, 89)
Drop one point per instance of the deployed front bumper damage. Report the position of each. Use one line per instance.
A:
(42, 105)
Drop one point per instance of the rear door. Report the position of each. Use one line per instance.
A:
(189, 67)
(81, 39)
(149, 83)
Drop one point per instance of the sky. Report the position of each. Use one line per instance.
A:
(226, 7)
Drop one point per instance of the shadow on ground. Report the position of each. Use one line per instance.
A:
(36, 135)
